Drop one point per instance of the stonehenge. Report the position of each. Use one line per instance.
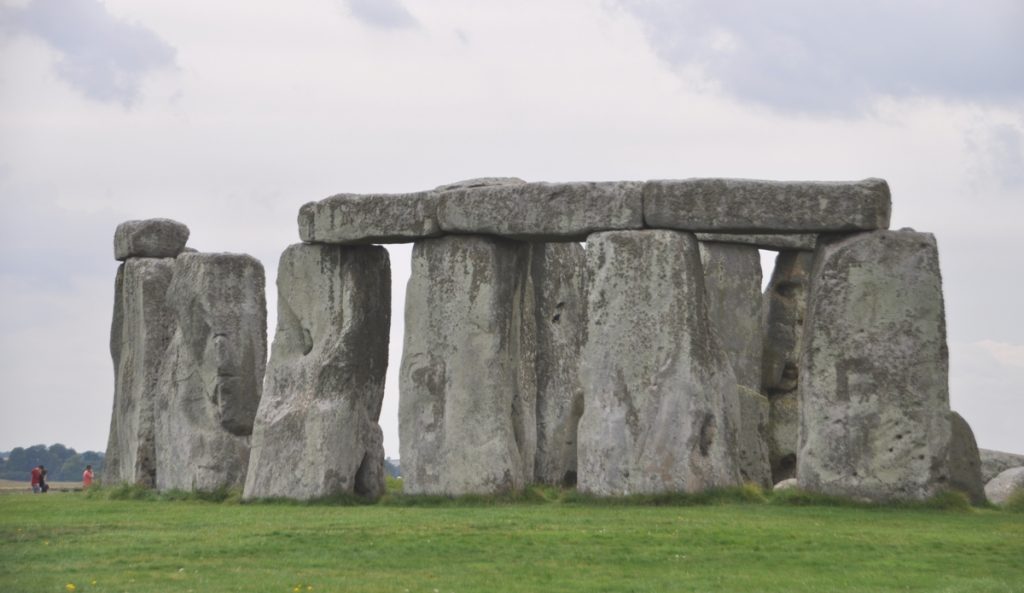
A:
(609, 335)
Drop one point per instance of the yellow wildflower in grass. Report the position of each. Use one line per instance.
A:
(92, 582)
(70, 587)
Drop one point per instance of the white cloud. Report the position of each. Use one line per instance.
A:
(838, 57)
(105, 58)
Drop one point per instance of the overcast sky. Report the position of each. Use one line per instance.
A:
(228, 116)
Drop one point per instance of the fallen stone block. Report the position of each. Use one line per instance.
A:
(745, 205)
(999, 489)
(661, 408)
(155, 237)
(316, 433)
(994, 463)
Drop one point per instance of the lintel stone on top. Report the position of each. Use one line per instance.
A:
(154, 237)
(746, 205)
(360, 219)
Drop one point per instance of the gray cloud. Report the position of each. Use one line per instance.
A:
(832, 57)
(998, 151)
(382, 14)
(102, 57)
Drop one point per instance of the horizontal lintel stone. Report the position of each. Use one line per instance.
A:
(744, 205)
(154, 237)
(359, 219)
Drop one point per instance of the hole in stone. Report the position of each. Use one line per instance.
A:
(899, 437)
(560, 305)
(556, 318)
(307, 342)
(569, 479)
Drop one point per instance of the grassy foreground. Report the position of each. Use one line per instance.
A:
(70, 542)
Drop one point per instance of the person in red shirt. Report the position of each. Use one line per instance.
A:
(37, 477)
(87, 477)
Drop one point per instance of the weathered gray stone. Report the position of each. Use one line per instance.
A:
(558, 275)
(156, 237)
(316, 433)
(732, 278)
(784, 305)
(963, 460)
(542, 211)
(480, 182)
(354, 219)
(142, 327)
(745, 205)
(999, 489)
(466, 416)
(787, 484)
(874, 399)
(212, 374)
(994, 463)
(752, 438)
(789, 242)
(661, 408)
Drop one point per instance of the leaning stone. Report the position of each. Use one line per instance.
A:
(316, 432)
(995, 462)
(462, 404)
(142, 327)
(156, 237)
(354, 219)
(661, 408)
(745, 205)
(787, 484)
(752, 439)
(732, 278)
(788, 242)
(1000, 488)
(874, 400)
(542, 211)
(963, 460)
(558, 275)
(212, 376)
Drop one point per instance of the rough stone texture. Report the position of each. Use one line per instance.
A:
(963, 460)
(480, 182)
(558, 275)
(212, 375)
(995, 462)
(156, 237)
(316, 432)
(142, 326)
(661, 408)
(467, 406)
(732, 278)
(874, 401)
(745, 205)
(542, 211)
(999, 488)
(354, 219)
(790, 242)
(784, 306)
(787, 484)
(752, 439)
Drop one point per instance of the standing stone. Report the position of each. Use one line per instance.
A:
(558, 276)
(874, 399)
(785, 304)
(660, 398)
(465, 414)
(155, 237)
(316, 432)
(752, 438)
(212, 376)
(964, 461)
(142, 327)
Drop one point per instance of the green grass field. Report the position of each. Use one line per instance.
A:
(69, 541)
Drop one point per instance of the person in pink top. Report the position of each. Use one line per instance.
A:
(87, 477)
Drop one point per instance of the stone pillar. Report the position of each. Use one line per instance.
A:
(142, 326)
(874, 400)
(212, 375)
(660, 398)
(732, 279)
(317, 431)
(558, 278)
(466, 416)
(964, 460)
(785, 304)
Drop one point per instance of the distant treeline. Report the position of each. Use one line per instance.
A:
(62, 464)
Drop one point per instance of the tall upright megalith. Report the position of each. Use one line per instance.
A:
(316, 432)
(660, 398)
(463, 396)
(785, 305)
(212, 375)
(142, 327)
(874, 399)
(558, 279)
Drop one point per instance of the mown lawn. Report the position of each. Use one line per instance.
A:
(51, 543)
